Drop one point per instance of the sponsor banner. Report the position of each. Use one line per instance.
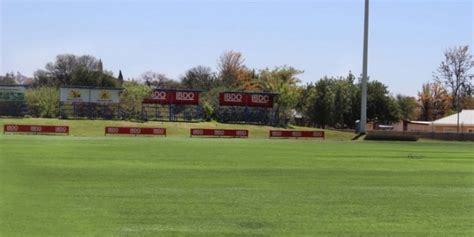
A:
(260, 100)
(35, 128)
(12, 93)
(173, 97)
(73, 95)
(219, 132)
(104, 96)
(233, 99)
(85, 95)
(158, 97)
(135, 131)
(185, 97)
(296, 134)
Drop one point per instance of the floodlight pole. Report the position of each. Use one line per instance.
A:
(363, 107)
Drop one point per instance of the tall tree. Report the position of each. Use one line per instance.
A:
(200, 78)
(72, 70)
(342, 102)
(120, 78)
(408, 107)
(322, 102)
(233, 73)
(8, 79)
(159, 80)
(281, 80)
(434, 101)
(381, 107)
(455, 73)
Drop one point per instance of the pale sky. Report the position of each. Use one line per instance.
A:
(407, 37)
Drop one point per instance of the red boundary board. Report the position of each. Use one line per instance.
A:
(296, 134)
(136, 131)
(219, 132)
(36, 129)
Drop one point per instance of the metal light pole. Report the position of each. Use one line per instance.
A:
(363, 107)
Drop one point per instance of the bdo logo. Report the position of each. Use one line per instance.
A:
(159, 95)
(228, 97)
(188, 96)
(35, 129)
(260, 99)
(276, 134)
(11, 128)
(60, 129)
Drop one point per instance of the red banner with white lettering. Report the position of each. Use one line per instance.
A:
(35, 128)
(232, 99)
(158, 97)
(219, 132)
(185, 97)
(135, 131)
(246, 99)
(260, 100)
(296, 134)
(173, 97)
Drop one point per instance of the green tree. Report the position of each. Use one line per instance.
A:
(342, 102)
(72, 70)
(131, 98)
(8, 79)
(408, 107)
(159, 80)
(322, 102)
(381, 107)
(199, 78)
(43, 102)
(281, 80)
(120, 78)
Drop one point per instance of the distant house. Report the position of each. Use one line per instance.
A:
(412, 126)
(447, 124)
(450, 123)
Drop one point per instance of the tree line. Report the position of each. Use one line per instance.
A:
(329, 102)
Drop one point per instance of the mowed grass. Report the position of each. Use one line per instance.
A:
(135, 186)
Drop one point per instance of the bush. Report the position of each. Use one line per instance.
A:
(131, 99)
(43, 102)
(390, 136)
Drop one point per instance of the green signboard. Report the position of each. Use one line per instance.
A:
(12, 93)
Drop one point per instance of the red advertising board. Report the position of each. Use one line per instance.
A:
(159, 96)
(135, 131)
(219, 132)
(36, 129)
(260, 100)
(296, 134)
(232, 99)
(185, 97)
(246, 99)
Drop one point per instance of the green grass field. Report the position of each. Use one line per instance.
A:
(91, 185)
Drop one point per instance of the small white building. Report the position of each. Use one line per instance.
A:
(450, 123)
(447, 124)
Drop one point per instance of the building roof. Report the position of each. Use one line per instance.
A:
(466, 117)
(418, 122)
